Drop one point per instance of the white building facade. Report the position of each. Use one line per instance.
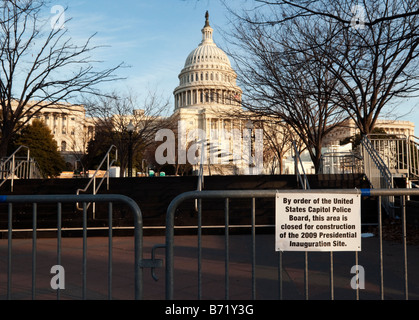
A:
(71, 128)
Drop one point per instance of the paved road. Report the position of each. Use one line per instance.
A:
(213, 270)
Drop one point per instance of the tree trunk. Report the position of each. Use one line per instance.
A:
(5, 139)
(316, 158)
(3, 148)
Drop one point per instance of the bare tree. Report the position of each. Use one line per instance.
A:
(290, 85)
(113, 113)
(77, 147)
(40, 66)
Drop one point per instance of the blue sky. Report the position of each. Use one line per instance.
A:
(154, 37)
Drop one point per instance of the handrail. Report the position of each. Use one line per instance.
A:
(413, 151)
(340, 162)
(379, 163)
(11, 172)
(395, 149)
(106, 175)
(400, 151)
(377, 172)
(297, 161)
(35, 171)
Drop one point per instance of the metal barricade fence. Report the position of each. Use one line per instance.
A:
(227, 195)
(139, 262)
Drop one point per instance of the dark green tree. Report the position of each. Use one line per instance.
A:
(97, 147)
(43, 148)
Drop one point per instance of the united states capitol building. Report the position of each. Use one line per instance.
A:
(207, 104)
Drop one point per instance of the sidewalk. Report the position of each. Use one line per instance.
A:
(213, 270)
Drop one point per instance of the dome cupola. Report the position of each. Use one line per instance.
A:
(207, 76)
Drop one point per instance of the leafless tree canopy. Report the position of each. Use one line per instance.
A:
(39, 63)
(113, 113)
(370, 48)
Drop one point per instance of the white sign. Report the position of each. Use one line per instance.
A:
(318, 222)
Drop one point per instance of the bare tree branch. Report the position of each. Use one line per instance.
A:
(371, 53)
(40, 67)
(317, 8)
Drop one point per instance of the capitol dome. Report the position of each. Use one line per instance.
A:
(207, 78)
(208, 53)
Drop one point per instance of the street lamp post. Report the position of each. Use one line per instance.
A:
(130, 129)
(249, 127)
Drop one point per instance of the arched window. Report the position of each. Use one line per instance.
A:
(63, 146)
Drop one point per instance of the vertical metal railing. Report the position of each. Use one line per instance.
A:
(377, 172)
(393, 150)
(10, 166)
(200, 184)
(375, 167)
(138, 264)
(399, 152)
(96, 186)
(227, 195)
(413, 148)
(341, 163)
(305, 185)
